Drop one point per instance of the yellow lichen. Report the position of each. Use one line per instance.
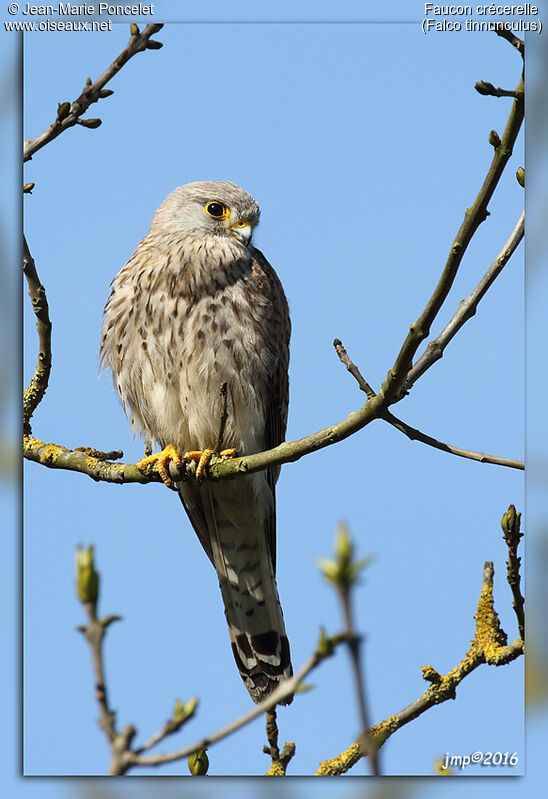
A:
(341, 763)
(275, 770)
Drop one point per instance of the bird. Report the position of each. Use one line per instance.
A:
(196, 326)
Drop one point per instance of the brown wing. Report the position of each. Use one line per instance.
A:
(278, 396)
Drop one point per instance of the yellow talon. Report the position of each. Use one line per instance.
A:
(202, 458)
(161, 461)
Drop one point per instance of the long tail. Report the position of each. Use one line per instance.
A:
(239, 523)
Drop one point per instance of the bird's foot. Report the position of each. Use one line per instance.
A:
(161, 461)
(202, 457)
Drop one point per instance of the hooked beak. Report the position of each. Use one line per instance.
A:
(242, 231)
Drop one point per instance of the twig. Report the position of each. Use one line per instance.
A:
(487, 89)
(510, 37)
(416, 435)
(353, 369)
(467, 307)
(511, 522)
(488, 646)
(368, 745)
(392, 386)
(281, 760)
(68, 117)
(95, 633)
(37, 387)
(412, 432)
(284, 689)
(182, 714)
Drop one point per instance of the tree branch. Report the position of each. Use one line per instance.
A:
(68, 116)
(488, 646)
(280, 760)
(467, 307)
(286, 688)
(391, 388)
(412, 432)
(37, 387)
(416, 435)
(510, 37)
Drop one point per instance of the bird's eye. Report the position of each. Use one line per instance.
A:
(217, 210)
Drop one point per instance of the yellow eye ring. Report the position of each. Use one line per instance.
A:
(217, 210)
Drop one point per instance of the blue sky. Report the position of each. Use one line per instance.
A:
(363, 145)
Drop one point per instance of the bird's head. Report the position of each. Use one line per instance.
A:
(209, 208)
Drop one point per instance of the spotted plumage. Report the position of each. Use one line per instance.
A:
(197, 306)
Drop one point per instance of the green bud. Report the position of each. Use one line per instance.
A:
(63, 110)
(88, 81)
(152, 44)
(91, 123)
(483, 87)
(198, 763)
(511, 523)
(494, 139)
(520, 175)
(182, 713)
(330, 570)
(134, 29)
(344, 571)
(325, 645)
(28, 187)
(87, 578)
(105, 93)
(344, 548)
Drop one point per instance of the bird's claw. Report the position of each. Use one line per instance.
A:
(202, 458)
(161, 461)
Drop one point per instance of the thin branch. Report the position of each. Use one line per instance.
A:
(488, 646)
(368, 744)
(68, 117)
(416, 435)
(280, 760)
(94, 632)
(511, 523)
(486, 88)
(412, 432)
(37, 387)
(392, 386)
(182, 714)
(286, 688)
(353, 369)
(510, 37)
(467, 307)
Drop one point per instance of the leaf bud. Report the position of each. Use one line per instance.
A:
(198, 763)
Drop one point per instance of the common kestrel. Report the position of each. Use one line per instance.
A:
(195, 307)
